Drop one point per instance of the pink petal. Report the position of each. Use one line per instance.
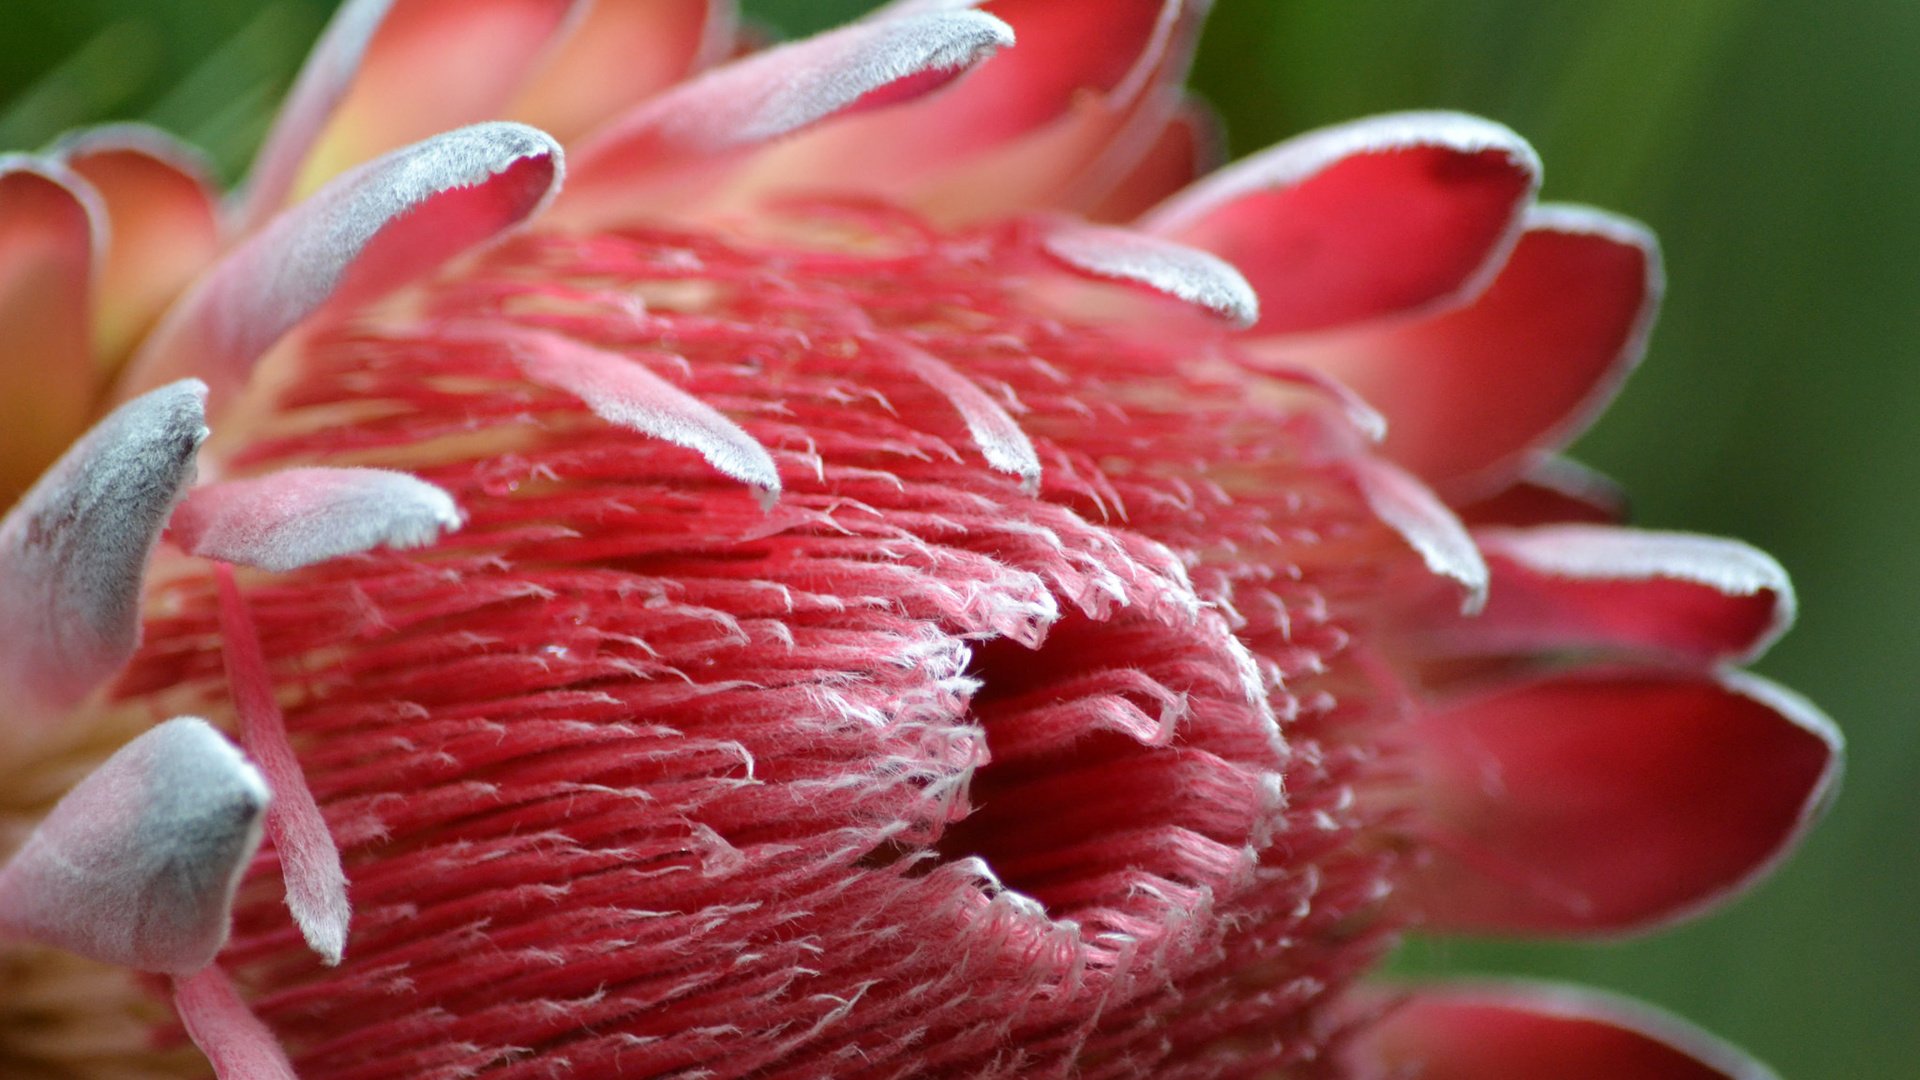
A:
(621, 391)
(386, 74)
(1183, 273)
(163, 215)
(1532, 1031)
(1597, 587)
(769, 95)
(50, 225)
(1057, 121)
(1554, 490)
(285, 520)
(137, 865)
(1475, 396)
(236, 1043)
(1188, 147)
(372, 230)
(309, 859)
(1404, 505)
(1610, 801)
(1397, 214)
(74, 551)
(621, 53)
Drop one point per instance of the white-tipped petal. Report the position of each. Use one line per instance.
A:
(1184, 273)
(73, 552)
(622, 391)
(773, 94)
(1406, 506)
(299, 517)
(137, 865)
(999, 437)
(367, 232)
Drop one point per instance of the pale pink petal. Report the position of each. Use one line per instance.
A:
(51, 228)
(137, 865)
(1183, 273)
(1396, 214)
(163, 218)
(621, 53)
(769, 95)
(309, 859)
(621, 391)
(1188, 147)
(1057, 121)
(1597, 587)
(1475, 396)
(999, 437)
(1554, 490)
(374, 229)
(73, 552)
(1609, 801)
(1535, 1031)
(1405, 505)
(387, 73)
(236, 1043)
(298, 517)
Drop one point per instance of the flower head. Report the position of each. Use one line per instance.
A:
(875, 567)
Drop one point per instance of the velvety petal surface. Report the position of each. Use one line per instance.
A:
(297, 517)
(618, 53)
(73, 552)
(1564, 588)
(1608, 801)
(1533, 1031)
(1056, 121)
(387, 73)
(163, 218)
(1475, 396)
(51, 226)
(766, 96)
(137, 865)
(1402, 213)
(375, 228)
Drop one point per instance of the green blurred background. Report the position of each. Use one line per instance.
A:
(1775, 147)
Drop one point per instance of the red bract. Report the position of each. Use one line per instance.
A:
(823, 599)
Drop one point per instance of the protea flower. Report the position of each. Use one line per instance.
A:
(890, 574)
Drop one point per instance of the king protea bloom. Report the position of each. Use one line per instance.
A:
(886, 571)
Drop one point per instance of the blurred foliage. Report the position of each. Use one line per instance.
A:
(1772, 145)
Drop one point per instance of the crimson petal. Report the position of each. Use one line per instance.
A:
(1396, 214)
(1557, 332)
(1527, 1031)
(1610, 801)
(1597, 587)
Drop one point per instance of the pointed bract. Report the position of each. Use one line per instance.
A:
(137, 865)
(73, 552)
(1405, 505)
(1183, 273)
(369, 231)
(298, 517)
(1528, 1031)
(1609, 801)
(1387, 216)
(237, 1044)
(773, 94)
(1594, 587)
(1558, 331)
